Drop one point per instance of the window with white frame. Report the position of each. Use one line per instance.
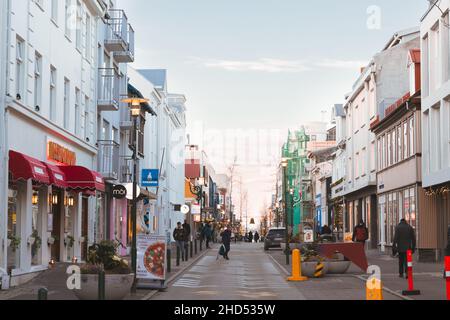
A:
(426, 141)
(372, 157)
(411, 136)
(52, 93)
(55, 10)
(87, 38)
(425, 66)
(77, 111)
(434, 58)
(363, 162)
(357, 166)
(69, 18)
(86, 119)
(37, 81)
(79, 26)
(66, 103)
(20, 67)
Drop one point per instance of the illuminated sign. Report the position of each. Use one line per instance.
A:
(60, 154)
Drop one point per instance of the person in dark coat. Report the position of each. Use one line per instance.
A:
(250, 237)
(404, 240)
(326, 230)
(360, 233)
(187, 235)
(226, 240)
(256, 236)
(178, 235)
(208, 234)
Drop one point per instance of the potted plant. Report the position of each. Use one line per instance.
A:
(36, 244)
(51, 240)
(30, 240)
(338, 264)
(14, 242)
(310, 259)
(118, 275)
(69, 241)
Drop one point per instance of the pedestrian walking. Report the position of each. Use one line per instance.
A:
(250, 237)
(404, 240)
(187, 234)
(360, 233)
(208, 234)
(326, 230)
(226, 240)
(256, 237)
(178, 235)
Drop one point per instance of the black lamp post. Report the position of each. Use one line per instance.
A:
(135, 107)
(284, 164)
(198, 191)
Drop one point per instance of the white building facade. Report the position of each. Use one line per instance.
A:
(435, 57)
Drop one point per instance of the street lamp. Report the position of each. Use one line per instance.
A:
(284, 164)
(135, 108)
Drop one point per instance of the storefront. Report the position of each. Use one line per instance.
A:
(49, 208)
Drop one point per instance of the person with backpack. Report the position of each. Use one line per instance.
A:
(256, 237)
(360, 233)
(179, 236)
(404, 240)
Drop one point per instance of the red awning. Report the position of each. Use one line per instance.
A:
(57, 176)
(24, 167)
(81, 178)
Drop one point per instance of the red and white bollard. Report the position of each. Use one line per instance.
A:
(410, 291)
(447, 275)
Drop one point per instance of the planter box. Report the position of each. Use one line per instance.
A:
(338, 266)
(117, 286)
(308, 268)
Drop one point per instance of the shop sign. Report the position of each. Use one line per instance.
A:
(151, 257)
(150, 177)
(195, 209)
(60, 154)
(309, 236)
(119, 191)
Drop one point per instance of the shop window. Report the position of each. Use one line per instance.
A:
(412, 204)
(13, 228)
(35, 227)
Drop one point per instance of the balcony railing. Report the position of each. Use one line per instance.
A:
(108, 90)
(117, 31)
(126, 169)
(108, 159)
(127, 55)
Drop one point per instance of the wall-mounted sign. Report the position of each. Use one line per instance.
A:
(185, 209)
(60, 154)
(150, 177)
(119, 191)
(129, 187)
(195, 209)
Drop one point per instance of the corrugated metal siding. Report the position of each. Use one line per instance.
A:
(434, 220)
(427, 221)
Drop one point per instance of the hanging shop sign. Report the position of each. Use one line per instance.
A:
(60, 154)
(195, 209)
(151, 257)
(185, 209)
(150, 177)
(119, 191)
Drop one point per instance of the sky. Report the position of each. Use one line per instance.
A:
(254, 68)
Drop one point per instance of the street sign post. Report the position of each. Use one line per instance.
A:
(150, 178)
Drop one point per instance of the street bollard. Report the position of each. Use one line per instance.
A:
(318, 273)
(101, 285)
(410, 291)
(178, 256)
(201, 244)
(42, 294)
(195, 246)
(169, 260)
(296, 267)
(191, 249)
(186, 252)
(447, 275)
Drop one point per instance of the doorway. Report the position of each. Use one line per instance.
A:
(56, 224)
(84, 227)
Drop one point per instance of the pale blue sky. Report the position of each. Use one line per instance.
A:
(262, 63)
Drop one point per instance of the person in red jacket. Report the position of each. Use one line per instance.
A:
(360, 233)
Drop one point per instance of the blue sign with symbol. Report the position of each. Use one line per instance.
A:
(150, 177)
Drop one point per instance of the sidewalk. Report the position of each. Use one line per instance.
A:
(331, 287)
(428, 277)
(55, 281)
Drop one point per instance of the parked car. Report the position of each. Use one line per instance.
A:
(274, 238)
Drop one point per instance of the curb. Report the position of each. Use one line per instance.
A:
(176, 275)
(279, 265)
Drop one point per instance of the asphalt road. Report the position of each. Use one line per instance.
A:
(249, 275)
